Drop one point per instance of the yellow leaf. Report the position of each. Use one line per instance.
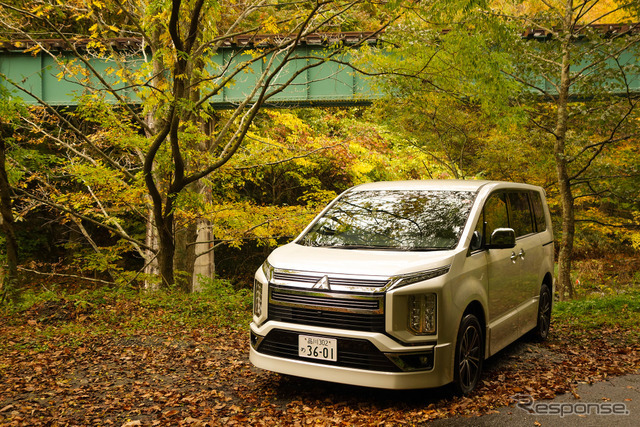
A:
(34, 50)
(270, 25)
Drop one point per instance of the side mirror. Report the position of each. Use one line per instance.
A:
(502, 238)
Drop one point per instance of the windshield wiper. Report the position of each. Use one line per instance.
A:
(387, 248)
(360, 247)
(375, 247)
(418, 249)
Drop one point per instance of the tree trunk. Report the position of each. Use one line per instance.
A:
(204, 266)
(166, 250)
(184, 260)
(565, 254)
(151, 268)
(565, 286)
(9, 283)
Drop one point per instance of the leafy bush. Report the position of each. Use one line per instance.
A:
(621, 310)
(218, 306)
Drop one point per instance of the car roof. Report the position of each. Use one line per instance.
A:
(473, 185)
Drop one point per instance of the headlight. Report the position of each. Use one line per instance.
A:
(258, 288)
(267, 269)
(257, 298)
(420, 276)
(422, 312)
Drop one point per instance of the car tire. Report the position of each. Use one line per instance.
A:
(541, 331)
(469, 355)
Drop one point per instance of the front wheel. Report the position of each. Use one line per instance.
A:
(469, 355)
(541, 331)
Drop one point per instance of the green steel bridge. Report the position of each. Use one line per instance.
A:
(327, 82)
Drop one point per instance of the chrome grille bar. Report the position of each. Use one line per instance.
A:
(365, 304)
(290, 277)
(309, 301)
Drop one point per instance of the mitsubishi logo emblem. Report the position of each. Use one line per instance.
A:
(322, 283)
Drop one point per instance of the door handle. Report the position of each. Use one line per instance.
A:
(514, 257)
(521, 254)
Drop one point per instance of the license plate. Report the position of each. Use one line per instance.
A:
(318, 347)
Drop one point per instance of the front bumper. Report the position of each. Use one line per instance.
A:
(364, 358)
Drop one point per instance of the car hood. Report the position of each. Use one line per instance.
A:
(356, 261)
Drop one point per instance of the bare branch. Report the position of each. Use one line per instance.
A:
(594, 221)
(600, 17)
(289, 159)
(74, 276)
(83, 217)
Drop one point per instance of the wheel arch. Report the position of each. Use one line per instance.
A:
(476, 308)
(548, 280)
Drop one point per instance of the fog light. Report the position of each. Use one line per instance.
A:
(257, 298)
(413, 362)
(422, 314)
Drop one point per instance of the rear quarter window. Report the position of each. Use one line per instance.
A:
(538, 212)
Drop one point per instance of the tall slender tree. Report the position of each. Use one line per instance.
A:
(584, 72)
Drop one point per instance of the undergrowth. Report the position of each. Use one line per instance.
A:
(103, 309)
(593, 312)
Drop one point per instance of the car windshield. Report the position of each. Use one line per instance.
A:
(396, 220)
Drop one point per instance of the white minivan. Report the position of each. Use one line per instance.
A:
(407, 284)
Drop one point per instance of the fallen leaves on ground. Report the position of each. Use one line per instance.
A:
(64, 371)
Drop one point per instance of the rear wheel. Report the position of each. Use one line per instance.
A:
(541, 331)
(469, 355)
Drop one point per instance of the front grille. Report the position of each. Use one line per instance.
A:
(352, 353)
(327, 300)
(329, 319)
(281, 276)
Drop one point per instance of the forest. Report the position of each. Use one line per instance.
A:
(145, 205)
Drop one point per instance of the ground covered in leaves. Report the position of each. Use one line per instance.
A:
(121, 363)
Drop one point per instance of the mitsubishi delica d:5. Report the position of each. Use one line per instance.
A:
(408, 284)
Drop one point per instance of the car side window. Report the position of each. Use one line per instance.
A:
(495, 214)
(521, 220)
(538, 212)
